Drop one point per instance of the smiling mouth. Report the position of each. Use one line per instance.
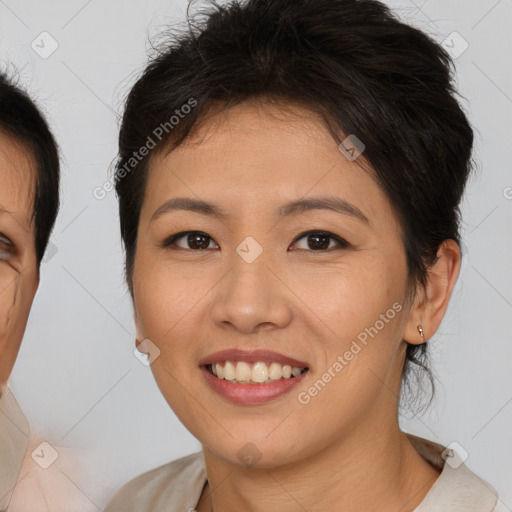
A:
(241, 372)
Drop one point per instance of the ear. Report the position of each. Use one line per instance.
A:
(432, 301)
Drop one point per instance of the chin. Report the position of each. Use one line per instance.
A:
(254, 452)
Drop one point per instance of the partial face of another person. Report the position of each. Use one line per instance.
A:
(19, 276)
(302, 282)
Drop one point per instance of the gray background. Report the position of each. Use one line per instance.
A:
(76, 376)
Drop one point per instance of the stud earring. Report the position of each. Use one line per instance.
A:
(420, 330)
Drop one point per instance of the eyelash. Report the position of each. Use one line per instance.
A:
(343, 244)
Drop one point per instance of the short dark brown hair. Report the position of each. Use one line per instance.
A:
(22, 119)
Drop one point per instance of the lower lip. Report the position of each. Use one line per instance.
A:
(251, 393)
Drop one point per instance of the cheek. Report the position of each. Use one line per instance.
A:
(166, 305)
(352, 298)
(10, 281)
(15, 301)
(360, 357)
(165, 301)
(363, 308)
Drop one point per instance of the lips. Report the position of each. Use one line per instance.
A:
(254, 356)
(249, 392)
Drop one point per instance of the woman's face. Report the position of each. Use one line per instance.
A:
(309, 286)
(18, 263)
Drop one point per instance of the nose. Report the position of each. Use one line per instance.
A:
(252, 298)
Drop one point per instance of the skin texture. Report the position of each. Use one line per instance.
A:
(306, 303)
(19, 277)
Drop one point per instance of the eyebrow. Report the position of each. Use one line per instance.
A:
(295, 207)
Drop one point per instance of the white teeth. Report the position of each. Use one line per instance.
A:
(229, 371)
(275, 371)
(258, 373)
(243, 372)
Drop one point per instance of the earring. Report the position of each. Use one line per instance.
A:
(420, 330)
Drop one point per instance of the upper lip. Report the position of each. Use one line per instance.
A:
(251, 356)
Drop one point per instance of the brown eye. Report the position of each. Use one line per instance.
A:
(193, 240)
(318, 241)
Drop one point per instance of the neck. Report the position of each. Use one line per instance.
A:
(368, 469)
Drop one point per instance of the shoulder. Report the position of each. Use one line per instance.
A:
(14, 436)
(457, 489)
(173, 486)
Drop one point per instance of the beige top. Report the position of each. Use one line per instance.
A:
(177, 487)
(36, 476)
(14, 437)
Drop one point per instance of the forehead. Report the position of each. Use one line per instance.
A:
(256, 154)
(17, 180)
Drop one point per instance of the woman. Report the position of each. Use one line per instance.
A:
(29, 202)
(289, 177)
